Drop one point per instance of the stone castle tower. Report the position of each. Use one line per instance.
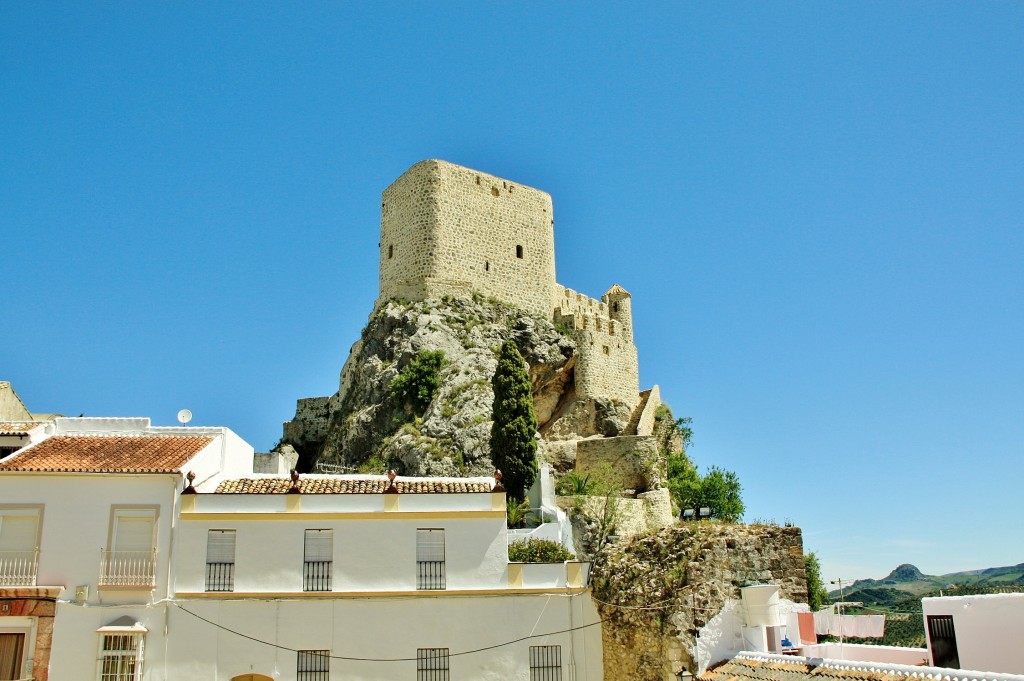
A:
(448, 230)
(452, 231)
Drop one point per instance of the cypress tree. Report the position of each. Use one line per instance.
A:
(513, 447)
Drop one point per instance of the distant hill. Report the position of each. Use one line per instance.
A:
(905, 573)
(909, 579)
(899, 595)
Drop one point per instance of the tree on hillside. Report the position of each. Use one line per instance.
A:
(513, 447)
(683, 480)
(719, 489)
(817, 594)
(684, 425)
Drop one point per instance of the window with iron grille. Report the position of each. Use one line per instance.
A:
(431, 664)
(220, 560)
(545, 663)
(121, 657)
(313, 665)
(430, 559)
(317, 560)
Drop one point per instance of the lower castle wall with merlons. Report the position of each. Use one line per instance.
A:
(608, 366)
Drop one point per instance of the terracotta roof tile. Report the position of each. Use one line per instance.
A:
(18, 427)
(107, 454)
(742, 668)
(368, 485)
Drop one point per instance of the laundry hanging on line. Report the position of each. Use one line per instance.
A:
(827, 621)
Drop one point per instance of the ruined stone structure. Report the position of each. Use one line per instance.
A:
(451, 231)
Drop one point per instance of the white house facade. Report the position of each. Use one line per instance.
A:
(134, 553)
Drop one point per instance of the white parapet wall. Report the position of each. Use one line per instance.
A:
(858, 652)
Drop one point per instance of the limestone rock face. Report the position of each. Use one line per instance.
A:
(689, 570)
(361, 427)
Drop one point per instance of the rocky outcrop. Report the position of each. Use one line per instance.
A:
(361, 428)
(656, 591)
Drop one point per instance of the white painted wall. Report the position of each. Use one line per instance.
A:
(381, 628)
(864, 653)
(989, 629)
(76, 523)
(724, 636)
(369, 555)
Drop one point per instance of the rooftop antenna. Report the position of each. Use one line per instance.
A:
(184, 416)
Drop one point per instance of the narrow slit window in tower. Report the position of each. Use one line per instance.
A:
(391, 252)
(519, 252)
(487, 266)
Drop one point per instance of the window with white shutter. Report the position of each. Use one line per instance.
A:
(317, 560)
(130, 559)
(430, 568)
(220, 560)
(19, 537)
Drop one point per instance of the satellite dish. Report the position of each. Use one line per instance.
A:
(184, 416)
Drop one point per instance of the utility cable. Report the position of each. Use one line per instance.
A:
(387, 659)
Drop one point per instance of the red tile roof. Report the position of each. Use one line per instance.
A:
(107, 454)
(311, 485)
(18, 427)
(754, 667)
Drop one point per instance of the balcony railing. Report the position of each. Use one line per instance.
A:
(128, 568)
(316, 575)
(220, 576)
(430, 575)
(18, 568)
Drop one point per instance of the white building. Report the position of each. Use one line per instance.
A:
(976, 632)
(110, 571)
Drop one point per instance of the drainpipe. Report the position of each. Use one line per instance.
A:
(175, 500)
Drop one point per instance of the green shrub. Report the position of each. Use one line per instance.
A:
(572, 483)
(538, 551)
(417, 383)
(516, 511)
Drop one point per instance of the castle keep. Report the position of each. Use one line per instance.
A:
(451, 231)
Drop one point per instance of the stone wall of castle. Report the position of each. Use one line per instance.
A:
(608, 365)
(448, 230)
(633, 459)
(646, 422)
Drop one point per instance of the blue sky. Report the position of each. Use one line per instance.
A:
(817, 207)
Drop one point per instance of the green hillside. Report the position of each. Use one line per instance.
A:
(898, 595)
(907, 578)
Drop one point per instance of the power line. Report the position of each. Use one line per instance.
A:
(387, 659)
